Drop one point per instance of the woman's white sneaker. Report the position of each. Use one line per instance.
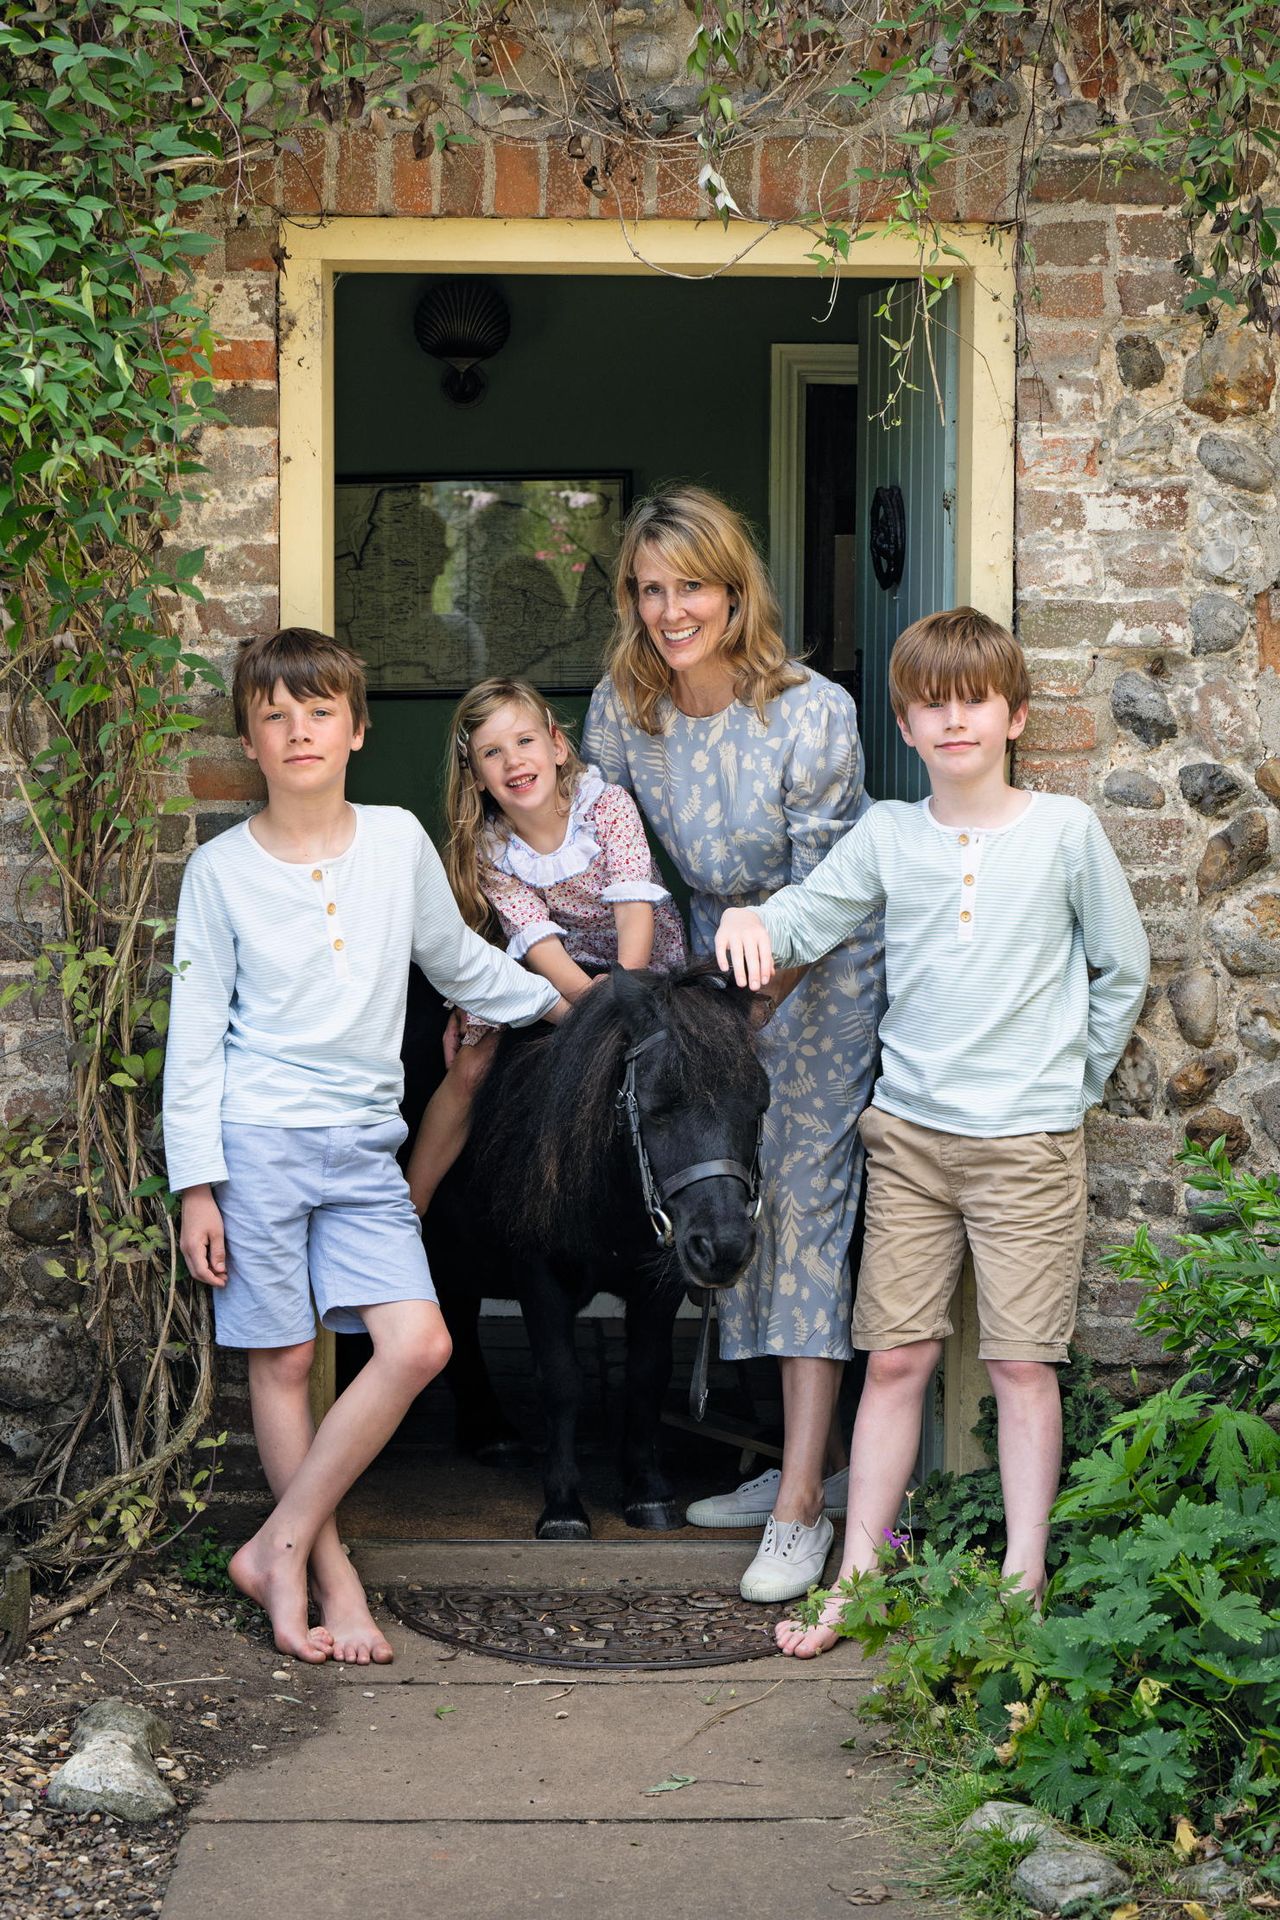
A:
(751, 1504)
(789, 1560)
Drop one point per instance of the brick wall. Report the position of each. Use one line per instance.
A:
(1146, 558)
(1147, 564)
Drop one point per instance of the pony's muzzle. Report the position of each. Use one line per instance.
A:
(717, 1260)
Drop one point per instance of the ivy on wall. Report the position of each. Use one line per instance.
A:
(125, 127)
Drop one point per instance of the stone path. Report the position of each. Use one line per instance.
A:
(451, 1785)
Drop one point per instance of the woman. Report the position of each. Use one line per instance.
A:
(749, 768)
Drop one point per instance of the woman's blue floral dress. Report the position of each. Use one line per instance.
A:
(743, 807)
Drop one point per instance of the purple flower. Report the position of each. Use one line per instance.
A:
(898, 1541)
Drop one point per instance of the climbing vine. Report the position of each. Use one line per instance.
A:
(126, 126)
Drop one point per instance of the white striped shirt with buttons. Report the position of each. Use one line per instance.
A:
(288, 1001)
(994, 1025)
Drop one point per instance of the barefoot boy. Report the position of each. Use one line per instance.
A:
(999, 907)
(281, 1109)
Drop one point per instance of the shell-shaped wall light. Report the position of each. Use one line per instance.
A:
(462, 322)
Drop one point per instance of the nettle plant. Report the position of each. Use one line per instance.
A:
(129, 130)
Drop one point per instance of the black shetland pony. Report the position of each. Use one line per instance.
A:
(618, 1154)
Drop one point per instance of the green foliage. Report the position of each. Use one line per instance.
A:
(967, 1509)
(1218, 1299)
(202, 1562)
(1151, 1686)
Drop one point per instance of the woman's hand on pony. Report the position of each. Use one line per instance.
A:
(742, 947)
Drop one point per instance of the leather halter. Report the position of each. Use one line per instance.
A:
(654, 1195)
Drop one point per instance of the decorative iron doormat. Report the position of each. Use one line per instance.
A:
(607, 1627)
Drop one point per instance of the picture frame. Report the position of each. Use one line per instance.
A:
(442, 580)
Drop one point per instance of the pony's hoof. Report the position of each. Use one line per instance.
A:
(655, 1516)
(562, 1529)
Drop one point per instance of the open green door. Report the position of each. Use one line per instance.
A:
(908, 443)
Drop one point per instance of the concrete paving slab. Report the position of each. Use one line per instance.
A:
(497, 1871)
(572, 1753)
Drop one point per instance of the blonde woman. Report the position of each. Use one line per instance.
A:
(748, 767)
(543, 855)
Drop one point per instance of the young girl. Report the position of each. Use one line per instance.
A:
(543, 853)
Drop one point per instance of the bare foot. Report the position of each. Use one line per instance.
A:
(276, 1578)
(807, 1642)
(345, 1612)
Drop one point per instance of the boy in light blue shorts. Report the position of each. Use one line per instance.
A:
(281, 1110)
(1016, 967)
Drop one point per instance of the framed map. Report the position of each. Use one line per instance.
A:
(440, 582)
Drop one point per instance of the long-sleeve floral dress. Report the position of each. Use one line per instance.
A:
(743, 807)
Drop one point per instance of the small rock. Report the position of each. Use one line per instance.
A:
(45, 1213)
(1218, 623)
(1135, 1083)
(41, 1362)
(1268, 778)
(1010, 1818)
(52, 1289)
(1195, 1081)
(1193, 995)
(1214, 1880)
(1139, 361)
(1061, 1871)
(1232, 374)
(1266, 1104)
(1146, 107)
(1129, 787)
(111, 1769)
(1214, 1123)
(1150, 440)
(992, 104)
(1222, 716)
(1236, 463)
(1077, 120)
(1139, 705)
(1208, 787)
(1246, 932)
(1258, 1022)
(1232, 855)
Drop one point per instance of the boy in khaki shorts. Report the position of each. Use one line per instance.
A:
(1016, 966)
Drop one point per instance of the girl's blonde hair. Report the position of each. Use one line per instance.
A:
(700, 538)
(469, 810)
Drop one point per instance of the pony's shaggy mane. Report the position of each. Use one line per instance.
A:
(545, 1128)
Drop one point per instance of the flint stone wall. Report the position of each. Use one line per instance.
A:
(1148, 583)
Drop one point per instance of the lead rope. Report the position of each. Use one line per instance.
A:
(698, 1381)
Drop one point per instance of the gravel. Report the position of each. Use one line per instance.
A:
(208, 1667)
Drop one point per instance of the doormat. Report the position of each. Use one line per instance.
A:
(607, 1627)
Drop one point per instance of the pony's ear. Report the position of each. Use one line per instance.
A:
(634, 997)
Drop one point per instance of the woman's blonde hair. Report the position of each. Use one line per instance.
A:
(469, 810)
(700, 538)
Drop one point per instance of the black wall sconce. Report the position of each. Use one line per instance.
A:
(462, 322)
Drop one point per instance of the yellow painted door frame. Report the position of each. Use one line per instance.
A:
(983, 267)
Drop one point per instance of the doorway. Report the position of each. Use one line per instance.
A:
(979, 505)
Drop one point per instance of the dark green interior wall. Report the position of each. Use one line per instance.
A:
(665, 378)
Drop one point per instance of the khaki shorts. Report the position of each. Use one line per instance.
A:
(1017, 1202)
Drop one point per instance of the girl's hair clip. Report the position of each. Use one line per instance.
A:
(462, 741)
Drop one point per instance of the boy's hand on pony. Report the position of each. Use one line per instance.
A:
(742, 944)
(203, 1243)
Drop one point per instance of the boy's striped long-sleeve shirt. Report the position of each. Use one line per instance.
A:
(1015, 959)
(288, 1002)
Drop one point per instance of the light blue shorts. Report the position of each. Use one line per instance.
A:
(314, 1212)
